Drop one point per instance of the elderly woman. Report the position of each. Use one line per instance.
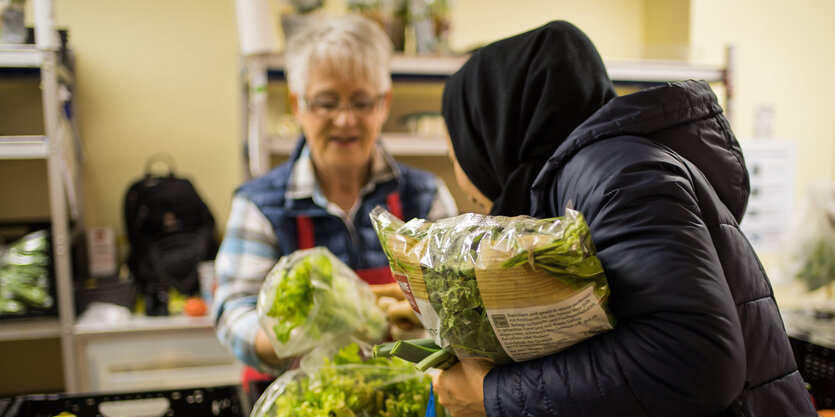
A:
(535, 126)
(340, 93)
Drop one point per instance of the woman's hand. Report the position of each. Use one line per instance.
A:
(387, 290)
(390, 298)
(265, 352)
(461, 388)
(400, 314)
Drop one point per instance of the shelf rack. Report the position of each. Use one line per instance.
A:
(29, 329)
(259, 70)
(59, 147)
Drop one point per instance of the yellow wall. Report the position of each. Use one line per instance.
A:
(155, 76)
(615, 26)
(666, 29)
(785, 60)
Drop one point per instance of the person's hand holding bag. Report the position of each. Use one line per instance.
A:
(460, 388)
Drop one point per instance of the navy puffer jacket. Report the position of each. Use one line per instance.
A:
(662, 183)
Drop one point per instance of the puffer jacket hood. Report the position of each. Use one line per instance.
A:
(669, 115)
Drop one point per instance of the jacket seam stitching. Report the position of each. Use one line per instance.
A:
(728, 143)
(770, 381)
(521, 393)
(626, 380)
(499, 404)
(754, 300)
(568, 387)
(542, 388)
(599, 387)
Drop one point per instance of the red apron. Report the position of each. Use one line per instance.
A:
(305, 240)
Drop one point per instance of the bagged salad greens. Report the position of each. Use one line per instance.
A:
(25, 276)
(809, 244)
(348, 385)
(311, 299)
(507, 289)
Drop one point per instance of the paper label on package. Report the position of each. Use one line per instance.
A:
(419, 300)
(403, 283)
(532, 332)
(429, 318)
(414, 289)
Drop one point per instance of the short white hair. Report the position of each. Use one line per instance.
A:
(354, 46)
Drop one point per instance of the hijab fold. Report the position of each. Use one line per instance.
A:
(515, 101)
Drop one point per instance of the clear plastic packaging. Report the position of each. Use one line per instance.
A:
(347, 385)
(311, 299)
(25, 277)
(809, 254)
(503, 288)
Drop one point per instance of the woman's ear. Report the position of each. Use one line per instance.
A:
(387, 99)
(294, 105)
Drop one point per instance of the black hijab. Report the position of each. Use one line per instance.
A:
(515, 101)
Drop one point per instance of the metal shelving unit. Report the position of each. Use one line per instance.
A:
(24, 147)
(29, 329)
(59, 148)
(260, 70)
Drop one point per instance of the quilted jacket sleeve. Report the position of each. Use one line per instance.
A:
(677, 348)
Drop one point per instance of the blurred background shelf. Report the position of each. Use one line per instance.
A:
(620, 71)
(20, 56)
(29, 329)
(24, 147)
(398, 143)
(152, 353)
(142, 324)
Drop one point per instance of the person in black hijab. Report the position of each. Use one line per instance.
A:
(515, 101)
(535, 127)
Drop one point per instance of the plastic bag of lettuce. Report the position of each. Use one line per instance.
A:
(311, 299)
(347, 385)
(25, 285)
(502, 288)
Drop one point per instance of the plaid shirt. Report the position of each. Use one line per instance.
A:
(250, 249)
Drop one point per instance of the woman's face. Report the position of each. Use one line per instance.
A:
(467, 186)
(341, 119)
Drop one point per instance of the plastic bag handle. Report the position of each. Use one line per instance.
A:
(163, 157)
(430, 405)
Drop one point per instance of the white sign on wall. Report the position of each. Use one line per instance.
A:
(771, 165)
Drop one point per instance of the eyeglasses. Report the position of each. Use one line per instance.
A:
(330, 108)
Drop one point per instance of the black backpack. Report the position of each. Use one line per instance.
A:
(170, 230)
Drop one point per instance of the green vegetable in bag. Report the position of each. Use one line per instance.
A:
(348, 385)
(24, 275)
(502, 288)
(311, 299)
(818, 269)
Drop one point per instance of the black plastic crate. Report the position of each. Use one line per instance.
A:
(221, 401)
(817, 367)
(5, 403)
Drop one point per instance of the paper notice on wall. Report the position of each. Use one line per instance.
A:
(101, 251)
(771, 166)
